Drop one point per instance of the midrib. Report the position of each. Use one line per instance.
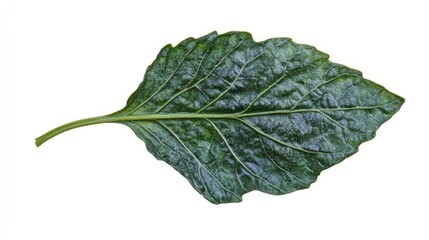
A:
(170, 116)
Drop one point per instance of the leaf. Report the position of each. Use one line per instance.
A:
(233, 115)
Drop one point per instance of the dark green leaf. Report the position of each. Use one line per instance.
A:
(233, 115)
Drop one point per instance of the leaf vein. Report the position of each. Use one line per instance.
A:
(195, 158)
(320, 85)
(153, 135)
(276, 164)
(271, 86)
(278, 140)
(238, 76)
(238, 160)
(166, 81)
(203, 183)
(339, 124)
(202, 79)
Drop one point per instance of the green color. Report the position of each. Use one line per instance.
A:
(233, 115)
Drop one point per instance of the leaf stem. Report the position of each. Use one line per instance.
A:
(71, 125)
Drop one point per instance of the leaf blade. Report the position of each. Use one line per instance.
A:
(233, 115)
(311, 101)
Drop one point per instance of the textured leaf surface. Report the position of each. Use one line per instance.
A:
(233, 115)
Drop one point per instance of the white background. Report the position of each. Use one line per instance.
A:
(65, 60)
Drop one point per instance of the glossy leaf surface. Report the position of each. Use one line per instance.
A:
(233, 115)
